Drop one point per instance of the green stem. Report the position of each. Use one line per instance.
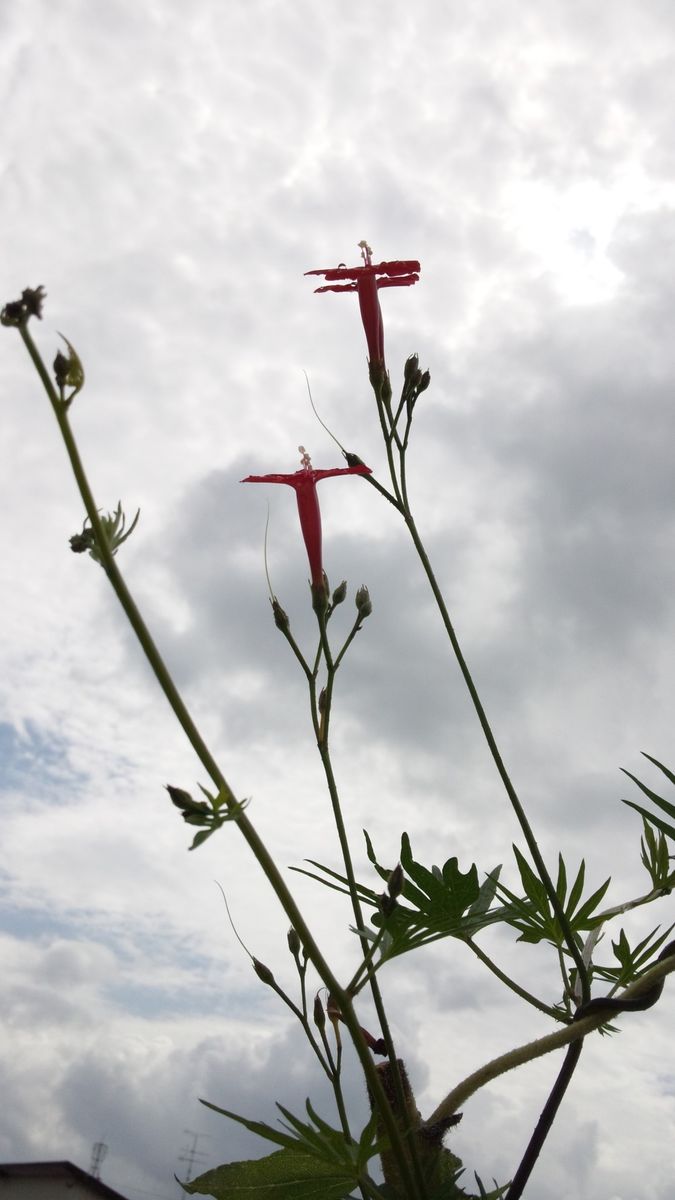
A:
(490, 739)
(358, 917)
(511, 983)
(356, 983)
(248, 831)
(324, 752)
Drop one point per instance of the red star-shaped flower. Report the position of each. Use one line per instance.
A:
(367, 280)
(304, 482)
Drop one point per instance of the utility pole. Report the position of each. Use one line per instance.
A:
(191, 1154)
(98, 1153)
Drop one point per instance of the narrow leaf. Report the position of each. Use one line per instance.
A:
(668, 774)
(577, 889)
(669, 830)
(653, 796)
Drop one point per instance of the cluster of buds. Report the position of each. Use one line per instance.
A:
(208, 814)
(19, 312)
(114, 532)
(415, 382)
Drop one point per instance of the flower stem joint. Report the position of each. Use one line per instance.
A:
(366, 281)
(304, 484)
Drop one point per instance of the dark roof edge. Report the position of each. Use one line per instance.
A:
(64, 1170)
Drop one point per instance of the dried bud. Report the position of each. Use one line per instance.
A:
(61, 369)
(319, 1014)
(363, 602)
(32, 300)
(387, 903)
(280, 617)
(294, 943)
(81, 542)
(339, 593)
(264, 974)
(17, 312)
(321, 704)
(377, 1045)
(12, 313)
(113, 526)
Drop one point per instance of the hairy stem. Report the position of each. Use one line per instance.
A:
(552, 1041)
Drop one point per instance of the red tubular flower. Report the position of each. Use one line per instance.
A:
(304, 481)
(365, 281)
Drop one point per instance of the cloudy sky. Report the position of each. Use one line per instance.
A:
(168, 173)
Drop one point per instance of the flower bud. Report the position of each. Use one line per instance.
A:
(395, 882)
(339, 593)
(294, 943)
(411, 367)
(61, 369)
(387, 904)
(363, 602)
(334, 1016)
(424, 382)
(81, 542)
(320, 596)
(264, 974)
(68, 371)
(280, 617)
(319, 1014)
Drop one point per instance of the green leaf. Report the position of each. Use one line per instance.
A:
(533, 915)
(532, 884)
(653, 796)
(581, 917)
(285, 1175)
(632, 962)
(577, 889)
(434, 903)
(669, 830)
(668, 774)
(317, 1140)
